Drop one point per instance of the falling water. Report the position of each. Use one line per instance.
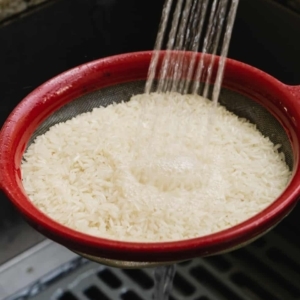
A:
(158, 44)
(189, 25)
(194, 25)
(163, 280)
(224, 50)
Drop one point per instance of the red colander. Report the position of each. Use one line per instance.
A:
(246, 91)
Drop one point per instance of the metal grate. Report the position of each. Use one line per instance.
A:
(267, 269)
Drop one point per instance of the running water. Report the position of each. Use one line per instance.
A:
(194, 25)
(163, 280)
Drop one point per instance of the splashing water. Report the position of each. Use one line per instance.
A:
(163, 280)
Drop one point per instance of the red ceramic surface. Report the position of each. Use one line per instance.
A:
(283, 101)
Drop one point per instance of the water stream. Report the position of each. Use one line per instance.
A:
(189, 25)
(163, 281)
(192, 25)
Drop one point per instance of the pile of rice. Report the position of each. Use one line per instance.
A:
(160, 167)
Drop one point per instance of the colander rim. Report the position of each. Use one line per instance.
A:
(141, 251)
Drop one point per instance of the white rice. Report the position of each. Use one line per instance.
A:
(146, 170)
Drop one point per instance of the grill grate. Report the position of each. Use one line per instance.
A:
(267, 269)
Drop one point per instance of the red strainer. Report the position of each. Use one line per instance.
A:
(246, 91)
